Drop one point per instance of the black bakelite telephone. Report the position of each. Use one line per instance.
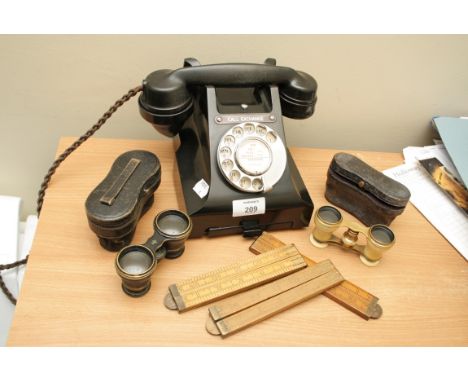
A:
(237, 174)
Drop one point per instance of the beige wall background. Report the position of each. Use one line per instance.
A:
(375, 92)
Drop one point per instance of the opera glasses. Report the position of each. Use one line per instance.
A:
(328, 219)
(136, 263)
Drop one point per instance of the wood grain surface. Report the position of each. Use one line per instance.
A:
(71, 294)
(347, 294)
(279, 303)
(239, 302)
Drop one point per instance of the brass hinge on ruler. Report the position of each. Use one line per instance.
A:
(234, 278)
(245, 309)
(346, 294)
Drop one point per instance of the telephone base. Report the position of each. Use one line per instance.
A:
(287, 206)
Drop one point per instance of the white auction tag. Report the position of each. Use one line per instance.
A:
(246, 207)
(201, 188)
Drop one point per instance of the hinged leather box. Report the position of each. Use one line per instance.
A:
(366, 193)
(126, 193)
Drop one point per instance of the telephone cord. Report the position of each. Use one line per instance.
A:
(45, 183)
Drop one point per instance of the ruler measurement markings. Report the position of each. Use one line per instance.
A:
(297, 258)
(232, 269)
(213, 292)
(228, 286)
(234, 304)
(346, 294)
(270, 269)
(277, 304)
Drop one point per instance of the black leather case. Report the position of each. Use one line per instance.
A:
(366, 193)
(126, 193)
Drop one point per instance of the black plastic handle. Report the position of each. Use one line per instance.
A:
(235, 75)
(167, 97)
(166, 89)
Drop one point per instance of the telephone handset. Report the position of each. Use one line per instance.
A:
(168, 95)
(236, 172)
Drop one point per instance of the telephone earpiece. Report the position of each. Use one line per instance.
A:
(298, 96)
(166, 101)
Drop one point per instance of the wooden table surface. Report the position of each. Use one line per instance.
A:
(71, 294)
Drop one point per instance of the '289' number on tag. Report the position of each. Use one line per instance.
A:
(247, 207)
(251, 210)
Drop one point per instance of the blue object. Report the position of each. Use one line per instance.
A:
(454, 133)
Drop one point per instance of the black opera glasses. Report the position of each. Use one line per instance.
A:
(328, 219)
(136, 263)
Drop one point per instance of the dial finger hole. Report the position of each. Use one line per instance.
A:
(249, 128)
(257, 184)
(227, 165)
(237, 131)
(229, 140)
(261, 130)
(271, 137)
(234, 175)
(225, 152)
(245, 182)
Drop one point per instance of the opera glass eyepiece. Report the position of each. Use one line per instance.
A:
(136, 263)
(379, 237)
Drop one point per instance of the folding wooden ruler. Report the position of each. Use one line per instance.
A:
(238, 312)
(346, 294)
(234, 278)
